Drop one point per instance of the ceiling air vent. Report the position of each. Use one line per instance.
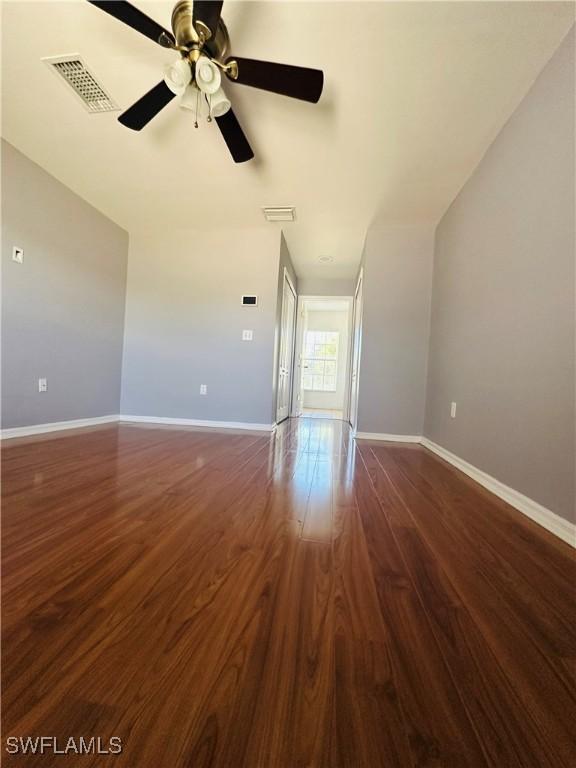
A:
(286, 213)
(73, 70)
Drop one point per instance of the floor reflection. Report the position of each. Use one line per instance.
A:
(314, 469)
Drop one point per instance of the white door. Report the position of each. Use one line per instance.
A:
(356, 347)
(286, 350)
(298, 382)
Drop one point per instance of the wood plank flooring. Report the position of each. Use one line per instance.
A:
(228, 600)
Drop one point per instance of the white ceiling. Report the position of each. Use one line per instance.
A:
(414, 93)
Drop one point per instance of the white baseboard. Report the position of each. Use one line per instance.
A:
(58, 426)
(198, 423)
(55, 426)
(536, 512)
(387, 437)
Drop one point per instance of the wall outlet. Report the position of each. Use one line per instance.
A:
(18, 255)
(42, 385)
(453, 410)
(203, 389)
(247, 335)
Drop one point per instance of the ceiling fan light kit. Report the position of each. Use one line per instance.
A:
(219, 103)
(177, 76)
(208, 77)
(189, 98)
(201, 38)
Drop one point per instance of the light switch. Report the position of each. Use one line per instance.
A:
(203, 389)
(247, 335)
(42, 385)
(18, 255)
(453, 410)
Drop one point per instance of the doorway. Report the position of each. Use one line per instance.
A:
(322, 360)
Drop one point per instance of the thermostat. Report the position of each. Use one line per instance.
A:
(249, 301)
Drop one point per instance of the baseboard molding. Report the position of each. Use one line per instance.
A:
(387, 437)
(198, 423)
(532, 509)
(58, 426)
(55, 426)
(536, 512)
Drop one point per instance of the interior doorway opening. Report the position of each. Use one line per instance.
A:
(323, 337)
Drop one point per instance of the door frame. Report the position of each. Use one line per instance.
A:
(286, 278)
(299, 340)
(359, 284)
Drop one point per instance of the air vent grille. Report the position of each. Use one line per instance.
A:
(279, 213)
(73, 70)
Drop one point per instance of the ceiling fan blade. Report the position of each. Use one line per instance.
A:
(140, 113)
(128, 14)
(297, 82)
(234, 137)
(208, 11)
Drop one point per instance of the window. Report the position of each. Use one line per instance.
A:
(320, 361)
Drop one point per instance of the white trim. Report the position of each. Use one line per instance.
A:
(557, 525)
(296, 406)
(387, 437)
(197, 423)
(287, 279)
(56, 426)
(356, 309)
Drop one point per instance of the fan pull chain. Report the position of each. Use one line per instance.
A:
(196, 115)
(209, 104)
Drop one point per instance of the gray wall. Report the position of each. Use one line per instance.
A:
(184, 323)
(315, 286)
(502, 340)
(63, 308)
(397, 266)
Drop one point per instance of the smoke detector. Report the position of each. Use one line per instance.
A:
(84, 84)
(285, 213)
(325, 259)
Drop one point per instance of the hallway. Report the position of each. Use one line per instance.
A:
(319, 413)
(272, 601)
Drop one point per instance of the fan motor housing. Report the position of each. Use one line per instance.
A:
(187, 36)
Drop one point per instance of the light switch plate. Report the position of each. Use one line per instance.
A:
(42, 385)
(18, 255)
(203, 389)
(247, 335)
(453, 410)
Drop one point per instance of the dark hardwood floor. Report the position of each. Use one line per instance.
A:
(228, 600)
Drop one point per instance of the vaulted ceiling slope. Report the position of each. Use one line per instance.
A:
(414, 94)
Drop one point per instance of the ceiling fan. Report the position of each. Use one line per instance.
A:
(201, 38)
